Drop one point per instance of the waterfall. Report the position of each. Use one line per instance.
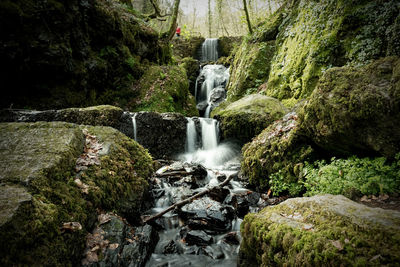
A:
(209, 133)
(213, 76)
(134, 127)
(191, 135)
(209, 50)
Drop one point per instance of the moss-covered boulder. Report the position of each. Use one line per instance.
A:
(250, 68)
(356, 110)
(164, 89)
(83, 54)
(323, 230)
(280, 148)
(46, 207)
(247, 117)
(305, 38)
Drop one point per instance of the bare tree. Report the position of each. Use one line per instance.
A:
(247, 17)
(209, 18)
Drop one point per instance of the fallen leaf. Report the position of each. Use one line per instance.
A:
(365, 199)
(337, 244)
(113, 246)
(72, 226)
(375, 257)
(103, 218)
(383, 197)
(307, 226)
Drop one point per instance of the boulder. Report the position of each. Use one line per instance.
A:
(324, 230)
(54, 176)
(161, 134)
(247, 117)
(279, 148)
(208, 215)
(356, 110)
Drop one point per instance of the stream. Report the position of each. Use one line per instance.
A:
(205, 232)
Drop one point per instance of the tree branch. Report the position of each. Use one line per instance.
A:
(186, 201)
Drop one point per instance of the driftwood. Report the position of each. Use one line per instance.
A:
(187, 200)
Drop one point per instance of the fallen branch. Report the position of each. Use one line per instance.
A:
(186, 201)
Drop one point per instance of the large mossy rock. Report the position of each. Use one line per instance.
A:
(164, 89)
(356, 110)
(279, 148)
(39, 190)
(247, 117)
(323, 230)
(227, 44)
(192, 67)
(58, 54)
(305, 38)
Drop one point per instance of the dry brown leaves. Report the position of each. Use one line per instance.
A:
(89, 157)
(71, 226)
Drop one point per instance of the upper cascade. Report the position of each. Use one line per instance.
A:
(209, 50)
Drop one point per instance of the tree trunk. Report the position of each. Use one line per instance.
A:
(172, 28)
(247, 17)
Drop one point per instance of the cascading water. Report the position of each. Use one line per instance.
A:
(209, 50)
(191, 136)
(207, 230)
(134, 127)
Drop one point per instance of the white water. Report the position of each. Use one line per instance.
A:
(191, 135)
(209, 50)
(214, 76)
(209, 133)
(134, 127)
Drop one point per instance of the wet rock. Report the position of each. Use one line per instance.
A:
(197, 237)
(213, 251)
(202, 106)
(193, 250)
(161, 133)
(190, 174)
(207, 214)
(119, 243)
(217, 96)
(219, 194)
(172, 248)
(137, 252)
(232, 238)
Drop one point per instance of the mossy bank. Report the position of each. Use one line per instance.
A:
(42, 190)
(291, 50)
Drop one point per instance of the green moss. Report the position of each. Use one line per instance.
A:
(165, 89)
(250, 69)
(41, 158)
(304, 232)
(278, 148)
(248, 116)
(311, 37)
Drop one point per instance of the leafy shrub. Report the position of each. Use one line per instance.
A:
(353, 176)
